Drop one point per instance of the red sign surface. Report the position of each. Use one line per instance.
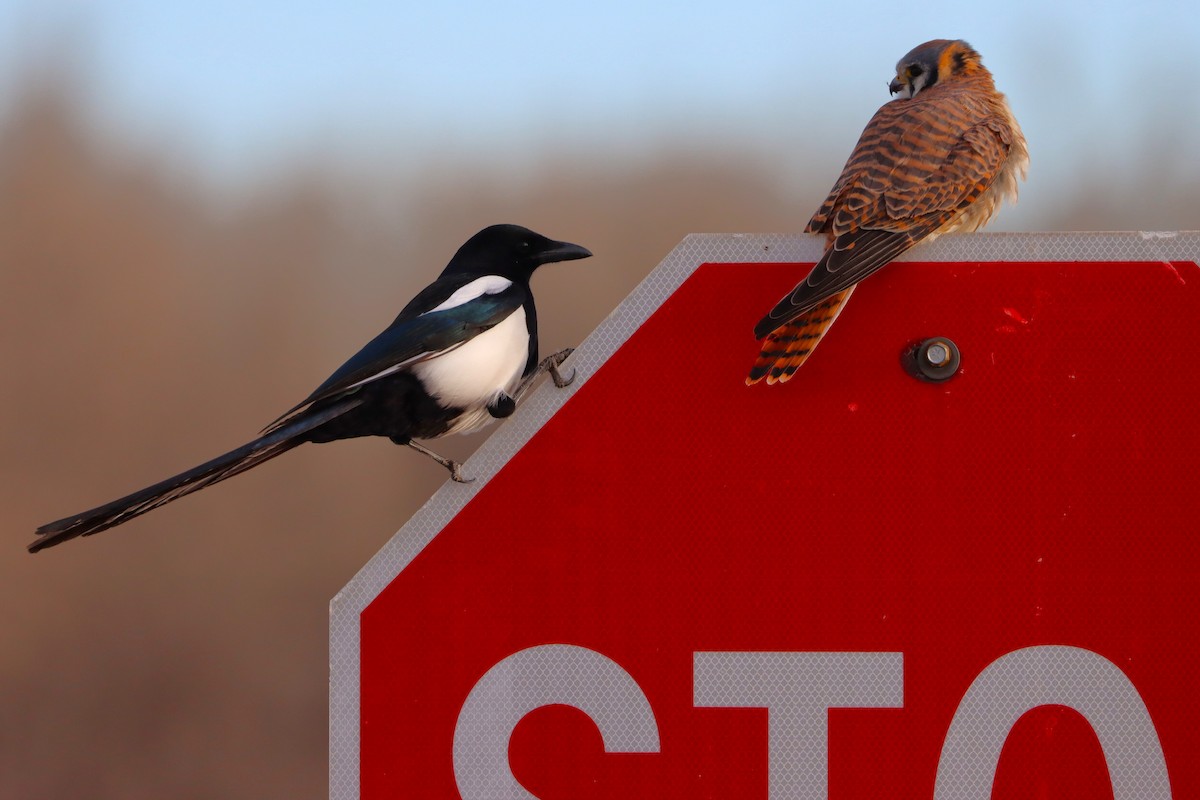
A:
(854, 585)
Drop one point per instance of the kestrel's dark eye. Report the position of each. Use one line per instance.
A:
(915, 71)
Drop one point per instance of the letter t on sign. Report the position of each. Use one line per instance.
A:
(798, 689)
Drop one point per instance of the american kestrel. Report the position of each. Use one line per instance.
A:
(939, 157)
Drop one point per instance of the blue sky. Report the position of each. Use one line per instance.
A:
(236, 83)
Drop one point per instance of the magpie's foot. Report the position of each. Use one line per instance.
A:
(452, 466)
(549, 364)
(560, 380)
(456, 473)
(552, 363)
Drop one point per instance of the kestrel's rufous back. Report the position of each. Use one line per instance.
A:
(940, 157)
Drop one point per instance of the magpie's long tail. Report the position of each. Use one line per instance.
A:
(274, 443)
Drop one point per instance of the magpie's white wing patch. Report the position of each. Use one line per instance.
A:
(488, 284)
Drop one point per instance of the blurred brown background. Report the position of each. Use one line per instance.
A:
(152, 317)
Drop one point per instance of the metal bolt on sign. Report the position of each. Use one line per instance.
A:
(935, 360)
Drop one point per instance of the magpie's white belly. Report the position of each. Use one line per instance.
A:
(475, 373)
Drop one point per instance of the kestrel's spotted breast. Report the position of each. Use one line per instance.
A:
(939, 158)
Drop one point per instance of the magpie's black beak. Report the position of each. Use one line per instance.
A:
(895, 86)
(562, 251)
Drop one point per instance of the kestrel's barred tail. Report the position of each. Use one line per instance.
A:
(939, 158)
(789, 346)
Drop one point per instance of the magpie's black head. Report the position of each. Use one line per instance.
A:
(510, 251)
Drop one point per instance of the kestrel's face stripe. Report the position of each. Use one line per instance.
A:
(941, 158)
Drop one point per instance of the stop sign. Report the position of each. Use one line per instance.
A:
(664, 583)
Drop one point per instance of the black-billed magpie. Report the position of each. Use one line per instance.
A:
(460, 354)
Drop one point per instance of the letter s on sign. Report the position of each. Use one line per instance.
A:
(554, 674)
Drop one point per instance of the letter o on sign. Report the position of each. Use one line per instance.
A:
(1052, 675)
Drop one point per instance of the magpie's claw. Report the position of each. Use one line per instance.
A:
(552, 363)
(456, 473)
(559, 379)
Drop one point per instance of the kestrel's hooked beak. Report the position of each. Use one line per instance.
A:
(897, 86)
